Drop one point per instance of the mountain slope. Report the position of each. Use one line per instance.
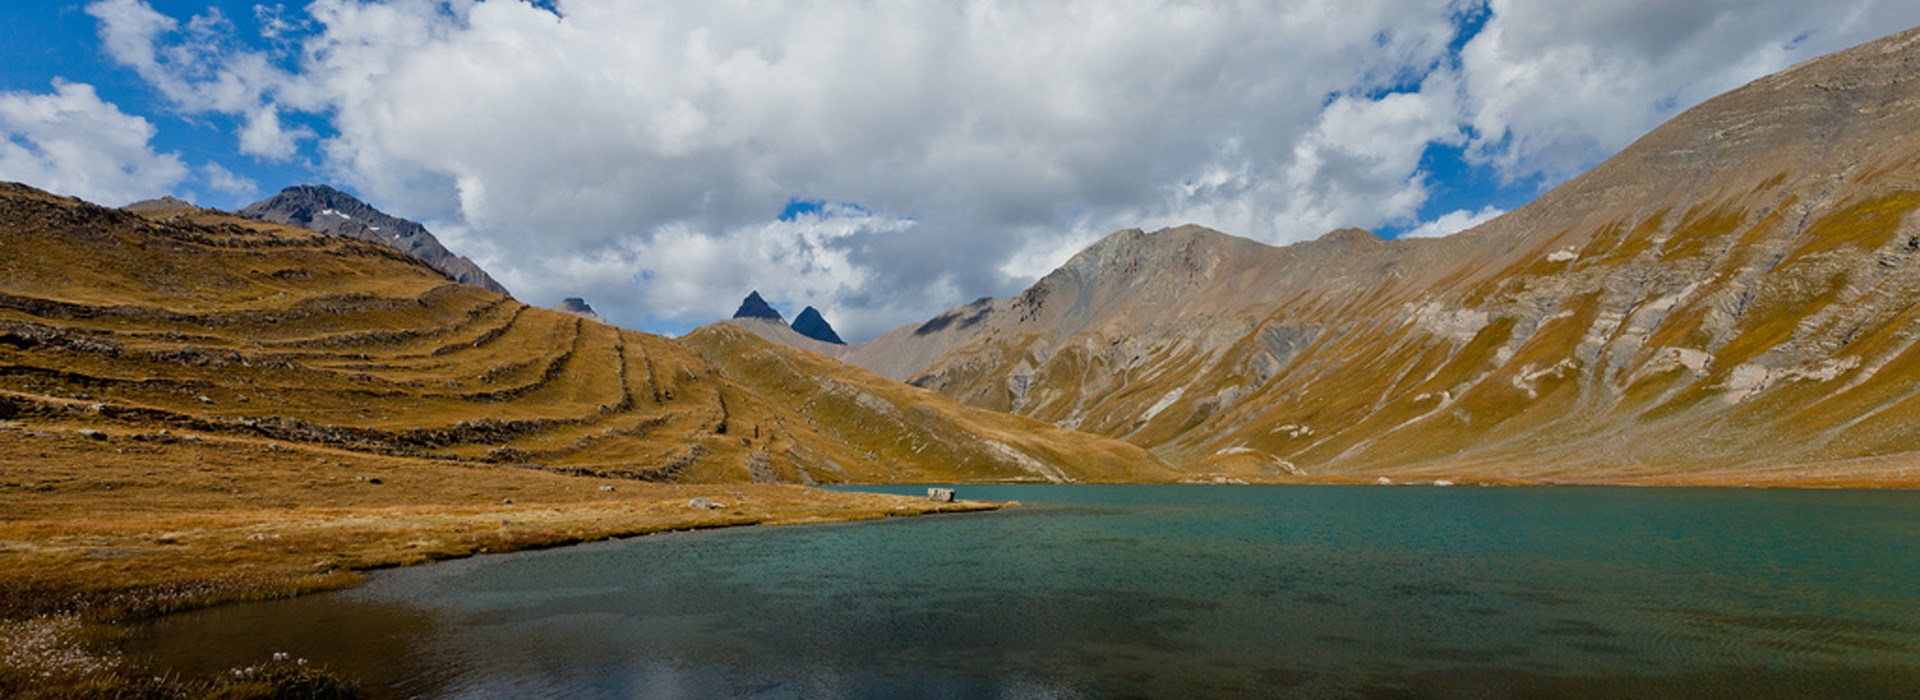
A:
(1735, 291)
(327, 210)
(205, 322)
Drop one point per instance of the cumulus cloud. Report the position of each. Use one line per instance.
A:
(638, 153)
(71, 142)
(1553, 86)
(1453, 222)
(200, 67)
(995, 127)
(226, 181)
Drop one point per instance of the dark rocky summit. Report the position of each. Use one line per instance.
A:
(755, 307)
(330, 211)
(578, 307)
(811, 324)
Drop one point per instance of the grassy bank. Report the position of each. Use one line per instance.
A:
(97, 529)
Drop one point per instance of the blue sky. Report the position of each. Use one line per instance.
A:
(879, 162)
(57, 39)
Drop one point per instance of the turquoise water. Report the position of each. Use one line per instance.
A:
(1156, 591)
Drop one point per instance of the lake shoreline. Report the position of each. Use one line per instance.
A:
(100, 533)
(76, 653)
(1105, 589)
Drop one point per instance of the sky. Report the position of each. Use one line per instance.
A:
(881, 161)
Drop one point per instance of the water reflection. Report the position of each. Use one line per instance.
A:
(1157, 592)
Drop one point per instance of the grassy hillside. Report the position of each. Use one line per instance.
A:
(196, 407)
(194, 320)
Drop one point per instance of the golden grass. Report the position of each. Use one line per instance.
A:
(96, 531)
(1867, 224)
(280, 411)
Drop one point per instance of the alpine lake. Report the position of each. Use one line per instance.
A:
(1154, 591)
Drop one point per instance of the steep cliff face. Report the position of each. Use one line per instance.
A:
(330, 211)
(1737, 290)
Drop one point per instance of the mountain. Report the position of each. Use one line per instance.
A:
(755, 307)
(330, 211)
(810, 331)
(235, 329)
(812, 325)
(578, 307)
(1734, 298)
(160, 204)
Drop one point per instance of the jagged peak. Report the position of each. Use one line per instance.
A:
(811, 324)
(328, 210)
(756, 307)
(578, 307)
(324, 194)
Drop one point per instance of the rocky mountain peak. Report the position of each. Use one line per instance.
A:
(811, 324)
(166, 203)
(330, 211)
(578, 307)
(755, 307)
(1350, 236)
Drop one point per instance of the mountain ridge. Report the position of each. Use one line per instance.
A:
(327, 210)
(216, 325)
(1740, 275)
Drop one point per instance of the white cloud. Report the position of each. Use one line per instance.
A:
(71, 142)
(1453, 222)
(571, 151)
(226, 181)
(200, 68)
(262, 135)
(677, 132)
(1553, 86)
